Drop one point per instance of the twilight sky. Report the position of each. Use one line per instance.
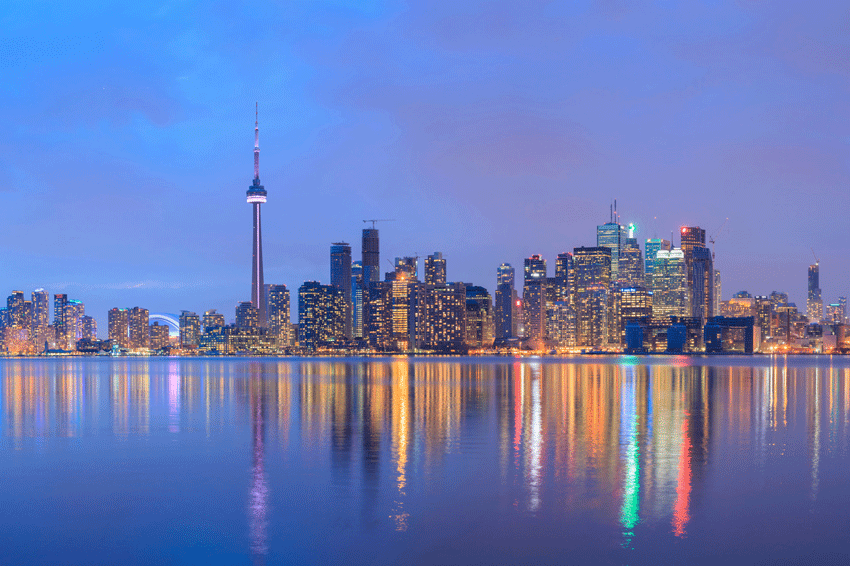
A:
(491, 130)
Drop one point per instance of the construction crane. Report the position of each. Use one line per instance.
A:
(817, 261)
(712, 238)
(373, 220)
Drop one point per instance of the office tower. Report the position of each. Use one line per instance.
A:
(139, 328)
(341, 279)
(16, 311)
(479, 318)
(378, 307)
(371, 257)
(651, 247)
(670, 284)
(505, 303)
(701, 277)
(534, 297)
(190, 330)
(279, 321)
(435, 269)
(212, 319)
(634, 303)
(119, 326)
(256, 196)
(406, 268)
(718, 287)
(564, 276)
(59, 323)
(40, 318)
(612, 236)
(88, 328)
(592, 280)
(247, 316)
(814, 303)
(631, 264)
(321, 312)
(357, 298)
(842, 302)
(158, 336)
(692, 236)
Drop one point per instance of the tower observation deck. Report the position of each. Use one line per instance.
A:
(256, 195)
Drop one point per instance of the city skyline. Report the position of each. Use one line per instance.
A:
(490, 168)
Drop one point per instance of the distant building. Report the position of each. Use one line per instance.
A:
(592, 281)
(158, 336)
(190, 330)
(119, 327)
(505, 312)
(814, 302)
(631, 264)
(212, 319)
(652, 247)
(479, 318)
(88, 328)
(139, 328)
(612, 236)
(435, 269)
(247, 315)
(534, 297)
(670, 284)
(279, 315)
(341, 279)
(321, 316)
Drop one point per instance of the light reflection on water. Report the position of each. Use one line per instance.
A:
(416, 460)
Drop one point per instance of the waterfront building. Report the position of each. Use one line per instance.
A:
(212, 319)
(534, 297)
(440, 317)
(60, 301)
(40, 318)
(279, 315)
(321, 316)
(119, 327)
(479, 318)
(357, 300)
(592, 280)
(670, 284)
(88, 328)
(74, 312)
(701, 278)
(379, 316)
(764, 316)
(256, 196)
(158, 336)
(247, 315)
(814, 302)
(341, 279)
(718, 285)
(631, 268)
(139, 332)
(435, 269)
(506, 300)
(628, 304)
(190, 330)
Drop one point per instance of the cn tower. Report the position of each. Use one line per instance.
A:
(257, 196)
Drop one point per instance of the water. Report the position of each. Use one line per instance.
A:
(596, 460)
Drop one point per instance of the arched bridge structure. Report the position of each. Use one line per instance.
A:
(172, 320)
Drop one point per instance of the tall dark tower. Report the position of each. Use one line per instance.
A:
(371, 256)
(257, 196)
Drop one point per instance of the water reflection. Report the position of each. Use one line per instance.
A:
(617, 442)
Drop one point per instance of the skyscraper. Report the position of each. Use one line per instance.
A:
(139, 327)
(357, 305)
(651, 248)
(670, 284)
(320, 315)
(479, 318)
(505, 302)
(40, 317)
(190, 330)
(247, 316)
(718, 288)
(341, 278)
(592, 280)
(814, 302)
(371, 256)
(612, 236)
(702, 283)
(212, 319)
(435, 269)
(60, 300)
(631, 264)
(279, 322)
(119, 324)
(534, 297)
(256, 196)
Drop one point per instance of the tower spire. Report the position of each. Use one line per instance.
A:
(257, 141)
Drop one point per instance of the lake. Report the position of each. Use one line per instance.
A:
(586, 460)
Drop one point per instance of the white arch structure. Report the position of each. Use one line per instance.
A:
(170, 319)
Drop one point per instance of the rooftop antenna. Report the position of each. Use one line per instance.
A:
(373, 220)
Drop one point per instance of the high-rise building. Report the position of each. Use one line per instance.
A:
(534, 297)
(435, 269)
(842, 302)
(256, 196)
(612, 236)
(88, 328)
(651, 247)
(279, 321)
(505, 303)
(59, 323)
(701, 277)
(692, 236)
(321, 312)
(718, 288)
(40, 318)
(764, 316)
(439, 313)
(74, 312)
(139, 328)
(814, 302)
(213, 319)
(158, 336)
(357, 300)
(247, 316)
(119, 326)
(190, 330)
(592, 281)
(479, 318)
(631, 264)
(341, 279)
(371, 256)
(670, 284)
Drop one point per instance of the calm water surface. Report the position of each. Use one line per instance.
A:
(608, 460)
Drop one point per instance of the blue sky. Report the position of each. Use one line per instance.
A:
(490, 130)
